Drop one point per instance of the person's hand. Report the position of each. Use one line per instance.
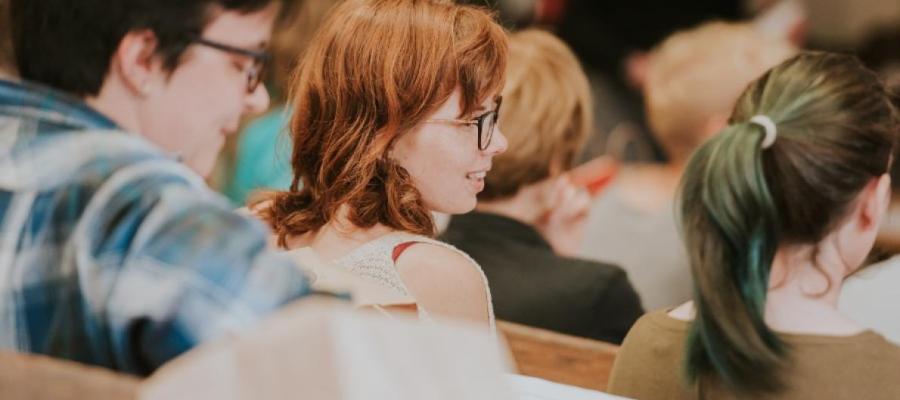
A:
(566, 209)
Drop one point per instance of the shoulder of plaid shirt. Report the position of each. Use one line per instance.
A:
(111, 252)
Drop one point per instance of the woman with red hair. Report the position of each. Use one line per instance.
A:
(394, 111)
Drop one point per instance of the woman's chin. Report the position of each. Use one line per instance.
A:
(462, 206)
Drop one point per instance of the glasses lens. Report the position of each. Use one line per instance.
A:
(486, 130)
(255, 76)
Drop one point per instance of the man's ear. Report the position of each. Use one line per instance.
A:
(135, 61)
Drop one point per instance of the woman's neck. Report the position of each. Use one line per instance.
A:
(802, 297)
(338, 236)
(803, 292)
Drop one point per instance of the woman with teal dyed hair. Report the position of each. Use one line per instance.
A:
(775, 212)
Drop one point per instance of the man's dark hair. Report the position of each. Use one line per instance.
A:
(68, 44)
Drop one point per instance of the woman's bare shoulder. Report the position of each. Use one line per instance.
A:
(445, 281)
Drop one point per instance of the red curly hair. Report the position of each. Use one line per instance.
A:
(374, 71)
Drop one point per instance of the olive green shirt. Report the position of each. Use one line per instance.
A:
(861, 366)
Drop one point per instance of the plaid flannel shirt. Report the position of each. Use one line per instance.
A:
(113, 253)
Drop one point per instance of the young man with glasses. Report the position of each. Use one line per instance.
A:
(112, 252)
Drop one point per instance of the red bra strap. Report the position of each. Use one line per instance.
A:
(399, 249)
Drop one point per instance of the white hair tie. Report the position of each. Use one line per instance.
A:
(769, 126)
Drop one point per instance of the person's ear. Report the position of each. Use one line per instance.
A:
(136, 62)
(875, 201)
(636, 65)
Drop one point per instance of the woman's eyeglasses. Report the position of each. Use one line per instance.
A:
(254, 73)
(485, 123)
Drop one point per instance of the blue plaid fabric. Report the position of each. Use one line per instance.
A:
(113, 253)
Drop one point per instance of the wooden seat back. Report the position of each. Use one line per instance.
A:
(559, 357)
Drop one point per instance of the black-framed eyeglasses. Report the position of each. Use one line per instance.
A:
(485, 122)
(256, 70)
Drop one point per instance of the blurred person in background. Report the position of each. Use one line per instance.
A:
(121, 256)
(527, 227)
(777, 210)
(693, 80)
(394, 109)
(613, 40)
(260, 159)
(521, 14)
(841, 25)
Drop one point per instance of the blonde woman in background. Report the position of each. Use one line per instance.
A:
(693, 80)
(529, 219)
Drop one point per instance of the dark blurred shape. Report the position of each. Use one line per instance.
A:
(611, 37)
(6, 54)
(513, 14)
(881, 53)
(258, 157)
(293, 30)
(604, 32)
(83, 35)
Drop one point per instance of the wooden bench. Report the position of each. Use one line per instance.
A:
(37, 377)
(559, 357)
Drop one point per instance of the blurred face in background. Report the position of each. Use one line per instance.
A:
(547, 113)
(694, 78)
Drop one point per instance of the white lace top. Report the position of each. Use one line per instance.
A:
(374, 261)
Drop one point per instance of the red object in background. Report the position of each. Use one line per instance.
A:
(595, 175)
(549, 12)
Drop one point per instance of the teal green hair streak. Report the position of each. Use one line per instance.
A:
(735, 252)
